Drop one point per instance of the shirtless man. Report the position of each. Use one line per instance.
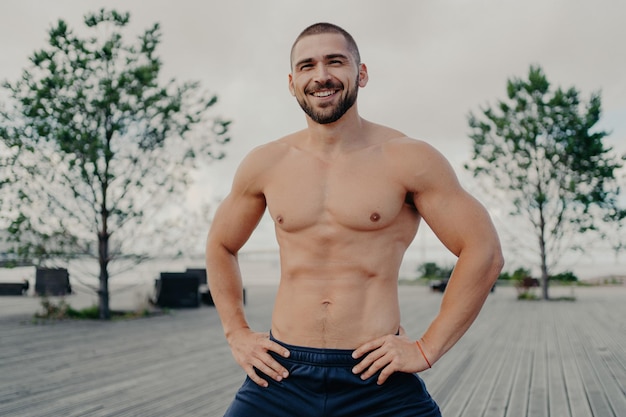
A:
(346, 196)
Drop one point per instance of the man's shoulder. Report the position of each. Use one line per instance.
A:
(267, 155)
(395, 139)
(281, 144)
(407, 147)
(268, 151)
(415, 160)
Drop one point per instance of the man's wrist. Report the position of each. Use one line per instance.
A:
(421, 349)
(229, 333)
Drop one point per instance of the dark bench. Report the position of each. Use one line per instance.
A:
(205, 294)
(177, 290)
(52, 282)
(14, 288)
(184, 289)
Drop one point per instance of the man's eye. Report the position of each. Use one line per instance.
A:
(306, 66)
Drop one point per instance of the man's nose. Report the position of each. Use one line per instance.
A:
(321, 73)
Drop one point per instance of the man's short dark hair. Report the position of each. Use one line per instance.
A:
(323, 27)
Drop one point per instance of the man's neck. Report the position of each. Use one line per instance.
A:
(343, 135)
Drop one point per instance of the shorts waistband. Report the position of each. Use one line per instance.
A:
(318, 356)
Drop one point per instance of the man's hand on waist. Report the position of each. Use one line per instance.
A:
(389, 354)
(251, 350)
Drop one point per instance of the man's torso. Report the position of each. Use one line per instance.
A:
(343, 225)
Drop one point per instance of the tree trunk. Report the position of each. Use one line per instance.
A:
(544, 278)
(103, 259)
(544, 265)
(103, 238)
(103, 291)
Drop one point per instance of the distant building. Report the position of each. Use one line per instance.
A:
(608, 280)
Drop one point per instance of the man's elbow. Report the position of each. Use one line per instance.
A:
(496, 262)
(217, 249)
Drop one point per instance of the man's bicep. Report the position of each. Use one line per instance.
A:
(457, 218)
(235, 220)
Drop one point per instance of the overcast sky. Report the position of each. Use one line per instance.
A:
(430, 62)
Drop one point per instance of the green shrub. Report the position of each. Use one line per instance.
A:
(566, 276)
(527, 295)
(62, 311)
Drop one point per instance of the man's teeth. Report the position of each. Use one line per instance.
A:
(323, 93)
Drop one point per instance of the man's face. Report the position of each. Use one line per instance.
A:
(325, 77)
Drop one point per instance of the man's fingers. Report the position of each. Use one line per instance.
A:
(368, 347)
(256, 378)
(380, 363)
(387, 355)
(277, 368)
(267, 366)
(255, 357)
(272, 369)
(368, 361)
(277, 348)
(385, 373)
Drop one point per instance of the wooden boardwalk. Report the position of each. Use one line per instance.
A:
(532, 359)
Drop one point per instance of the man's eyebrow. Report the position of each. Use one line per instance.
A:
(326, 58)
(303, 61)
(334, 56)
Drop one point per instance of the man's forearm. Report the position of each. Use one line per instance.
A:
(465, 294)
(226, 286)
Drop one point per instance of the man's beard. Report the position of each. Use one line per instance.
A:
(324, 117)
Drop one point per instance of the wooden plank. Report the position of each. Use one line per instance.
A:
(501, 395)
(558, 403)
(537, 396)
(577, 404)
(518, 404)
(593, 388)
(494, 360)
(599, 353)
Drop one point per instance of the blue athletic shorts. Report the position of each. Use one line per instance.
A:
(321, 384)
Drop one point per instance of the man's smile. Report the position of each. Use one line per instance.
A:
(324, 93)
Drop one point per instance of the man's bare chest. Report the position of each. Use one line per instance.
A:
(308, 192)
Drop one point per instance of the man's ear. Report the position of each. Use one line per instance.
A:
(291, 87)
(363, 75)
